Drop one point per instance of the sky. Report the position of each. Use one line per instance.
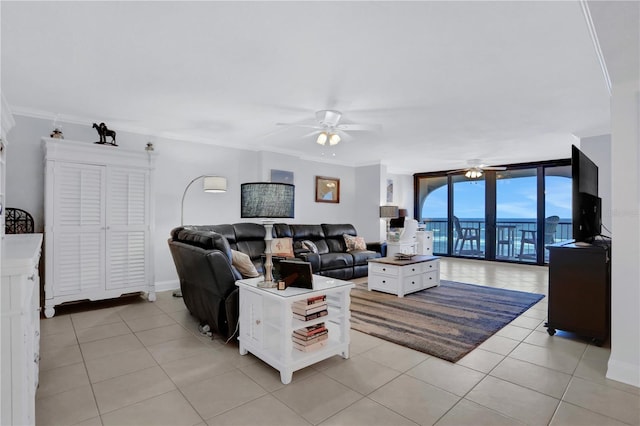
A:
(516, 199)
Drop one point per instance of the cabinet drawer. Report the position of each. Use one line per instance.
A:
(384, 283)
(412, 283)
(430, 279)
(434, 265)
(415, 269)
(383, 269)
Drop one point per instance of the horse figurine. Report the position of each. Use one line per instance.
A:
(103, 132)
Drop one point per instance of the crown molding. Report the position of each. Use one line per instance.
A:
(596, 43)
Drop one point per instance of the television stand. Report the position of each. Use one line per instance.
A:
(580, 289)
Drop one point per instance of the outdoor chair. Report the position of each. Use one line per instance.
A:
(528, 236)
(464, 234)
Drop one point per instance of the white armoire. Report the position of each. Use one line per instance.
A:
(98, 222)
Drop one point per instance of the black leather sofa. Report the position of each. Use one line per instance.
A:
(202, 255)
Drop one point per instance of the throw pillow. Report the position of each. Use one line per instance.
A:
(310, 245)
(354, 243)
(282, 247)
(243, 264)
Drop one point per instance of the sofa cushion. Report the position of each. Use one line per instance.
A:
(335, 261)
(361, 257)
(334, 235)
(250, 240)
(243, 264)
(354, 243)
(312, 233)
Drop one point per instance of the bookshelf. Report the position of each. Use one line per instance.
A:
(267, 323)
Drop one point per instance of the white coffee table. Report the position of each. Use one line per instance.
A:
(400, 277)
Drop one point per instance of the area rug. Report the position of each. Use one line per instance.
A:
(446, 321)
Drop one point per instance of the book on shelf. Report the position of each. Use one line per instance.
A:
(313, 347)
(310, 309)
(316, 339)
(312, 316)
(300, 338)
(311, 330)
(311, 300)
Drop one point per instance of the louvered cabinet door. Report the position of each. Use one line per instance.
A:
(78, 229)
(127, 228)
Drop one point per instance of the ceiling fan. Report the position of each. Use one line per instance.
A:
(329, 129)
(476, 169)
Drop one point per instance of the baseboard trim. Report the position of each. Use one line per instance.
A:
(624, 372)
(167, 285)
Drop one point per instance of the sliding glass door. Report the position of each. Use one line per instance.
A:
(516, 215)
(508, 215)
(468, 216)
(434, 210)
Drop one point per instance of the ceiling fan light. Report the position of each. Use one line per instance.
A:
(334, 139)
(473, 173)
(322, 138)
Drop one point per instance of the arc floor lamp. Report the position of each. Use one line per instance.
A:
(210, 183)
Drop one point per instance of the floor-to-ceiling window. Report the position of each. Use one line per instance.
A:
(468, 216)
(508, 215)
(434, 213)
(557, 205)
(516, 214)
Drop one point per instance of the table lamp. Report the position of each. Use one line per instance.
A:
(267, 200)
(388, 212)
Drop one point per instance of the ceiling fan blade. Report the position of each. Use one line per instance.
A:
(453, 172)
(494, 168)
(315, 132)
(359, 127)
(309, 126)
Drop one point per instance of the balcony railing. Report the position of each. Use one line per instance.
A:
(511, 249)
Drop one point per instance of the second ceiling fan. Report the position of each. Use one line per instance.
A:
(329, 129)
(476, 169)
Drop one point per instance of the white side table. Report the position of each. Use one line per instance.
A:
(267, 323)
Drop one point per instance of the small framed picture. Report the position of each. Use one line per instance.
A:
(281, 176)
(327, 189)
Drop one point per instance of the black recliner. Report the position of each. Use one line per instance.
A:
(207, 278)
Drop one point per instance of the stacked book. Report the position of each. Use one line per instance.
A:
(310, 338)
(311, 308)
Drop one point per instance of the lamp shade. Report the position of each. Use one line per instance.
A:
(215, 184)
(267, 200)
(388, 211)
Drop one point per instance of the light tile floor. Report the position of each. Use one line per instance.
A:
(141, 363)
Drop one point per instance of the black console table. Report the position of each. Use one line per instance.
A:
(580, 289)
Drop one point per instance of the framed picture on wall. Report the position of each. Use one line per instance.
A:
(390, 191)
(281, 176)
(327, 189)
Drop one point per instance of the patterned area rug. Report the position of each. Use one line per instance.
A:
(446, 321)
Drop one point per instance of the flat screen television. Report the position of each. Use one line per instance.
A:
(586, 205)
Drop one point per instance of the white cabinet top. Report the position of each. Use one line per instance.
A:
(20, 253)
(92, 153)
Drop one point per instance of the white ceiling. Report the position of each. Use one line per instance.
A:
(500, 81)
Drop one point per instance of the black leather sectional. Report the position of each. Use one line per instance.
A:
(202, 255)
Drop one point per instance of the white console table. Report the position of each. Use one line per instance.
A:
(401, 277)
(20, 322)
(267, 323)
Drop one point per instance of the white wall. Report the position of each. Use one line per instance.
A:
(367, 199)
(624, 362)
(178, 162)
